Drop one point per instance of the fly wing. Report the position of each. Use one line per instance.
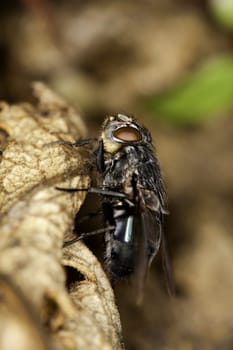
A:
(141, 262)
(167, 267)
(150, 237)
(148, 232)
(151, 213)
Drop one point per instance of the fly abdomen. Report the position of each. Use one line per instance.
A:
(121, 262)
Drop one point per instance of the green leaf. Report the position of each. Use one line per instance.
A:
(203, 94)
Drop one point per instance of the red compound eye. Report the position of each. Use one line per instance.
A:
(127, 133)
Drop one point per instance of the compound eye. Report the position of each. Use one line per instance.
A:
(127, 134)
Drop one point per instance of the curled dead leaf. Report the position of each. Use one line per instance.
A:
(35, 217)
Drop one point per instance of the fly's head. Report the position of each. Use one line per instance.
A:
(121, 130)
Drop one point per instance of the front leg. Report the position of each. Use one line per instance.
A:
(77, 143)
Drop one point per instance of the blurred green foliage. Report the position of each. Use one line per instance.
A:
(223, 12)
(204, 93)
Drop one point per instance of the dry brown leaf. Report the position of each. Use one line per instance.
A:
(94, 299)
(20, 327)
(35, 217)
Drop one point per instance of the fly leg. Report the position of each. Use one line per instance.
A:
(87, 234)
(100, 191)
(77, 143)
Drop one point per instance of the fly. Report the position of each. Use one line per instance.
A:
(133, 199)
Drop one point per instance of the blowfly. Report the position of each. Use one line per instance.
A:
(133, 199)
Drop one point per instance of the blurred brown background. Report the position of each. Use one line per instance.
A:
(170, 63)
